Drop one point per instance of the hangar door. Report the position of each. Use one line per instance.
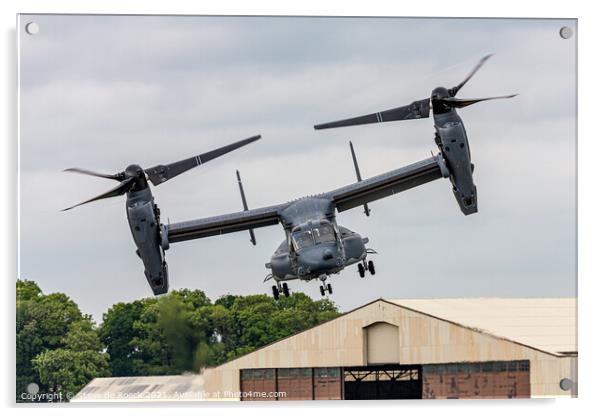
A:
(319, 383)
(258, 384)
(477, 380)
(392, 381)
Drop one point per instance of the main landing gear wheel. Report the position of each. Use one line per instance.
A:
(371, 267)
(361, 269)
(275, 292)
(285, 290)
(325, 287)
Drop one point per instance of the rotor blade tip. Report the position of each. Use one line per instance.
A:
(486, 58)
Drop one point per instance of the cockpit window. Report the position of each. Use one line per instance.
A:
(324, 233)
(302, 239)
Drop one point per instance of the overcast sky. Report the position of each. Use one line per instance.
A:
(103, 92)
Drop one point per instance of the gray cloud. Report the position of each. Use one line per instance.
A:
(105, 91)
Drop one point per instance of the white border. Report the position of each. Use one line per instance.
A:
(588, 153)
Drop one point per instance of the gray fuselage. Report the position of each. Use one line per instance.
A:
(315, 244)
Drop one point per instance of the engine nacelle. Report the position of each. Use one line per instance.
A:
(150, 237)
(280, 263)
(353, 244)
(456, 152)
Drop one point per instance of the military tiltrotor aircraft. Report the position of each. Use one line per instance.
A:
(143, 214)
(316, 246)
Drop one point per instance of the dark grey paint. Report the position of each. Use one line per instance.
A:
(144, 220)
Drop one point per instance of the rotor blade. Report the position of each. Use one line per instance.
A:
(418, 109)
(117, 177)
(120, 189)
(465, 102)
(161, 173)
(453, 91)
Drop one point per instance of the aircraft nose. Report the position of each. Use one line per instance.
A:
(319, 259)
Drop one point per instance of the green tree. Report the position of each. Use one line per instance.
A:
(184, 330)
(27, 290)
(180, 339)
(61, 350)
(117, 332)
(68, 369)
(156, 336)
(151, 355)
(245, 323)
(42, 321)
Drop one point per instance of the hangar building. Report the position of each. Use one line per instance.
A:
(412, 349)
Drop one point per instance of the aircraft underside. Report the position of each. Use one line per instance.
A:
(281, 286)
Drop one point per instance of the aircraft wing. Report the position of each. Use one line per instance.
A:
(387, 184)
(224, 224)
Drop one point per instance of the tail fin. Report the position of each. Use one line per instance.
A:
(244, 205)
(359, 175)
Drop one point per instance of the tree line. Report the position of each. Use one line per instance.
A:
(60, 349)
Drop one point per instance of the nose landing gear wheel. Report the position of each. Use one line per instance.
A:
(371, 267)
(322, 290)
(329, 288)
(285, 290)
(361, 269)
(275, 292)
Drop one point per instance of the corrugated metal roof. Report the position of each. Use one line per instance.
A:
(154, 388)
(548, 324)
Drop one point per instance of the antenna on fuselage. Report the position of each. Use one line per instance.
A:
(358, 174)
(245, 207)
